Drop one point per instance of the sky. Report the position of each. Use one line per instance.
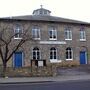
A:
(72, 9)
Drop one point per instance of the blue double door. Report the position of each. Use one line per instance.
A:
(83, 57)
(18, 59)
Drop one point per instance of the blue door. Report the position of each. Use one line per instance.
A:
(83, 57)
(18, 59)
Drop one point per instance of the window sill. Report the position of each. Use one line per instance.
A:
(17, 38)
(55, 61)
(69, 59)
(52, 39)
(37, 39)
(82, 39)
(68, 39)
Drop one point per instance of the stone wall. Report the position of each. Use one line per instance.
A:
(31, 71)
(46, 71)
(72, 63)
(75, 43)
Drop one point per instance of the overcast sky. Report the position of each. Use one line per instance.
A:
(73, 9)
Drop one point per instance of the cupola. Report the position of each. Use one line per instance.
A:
(41, 11)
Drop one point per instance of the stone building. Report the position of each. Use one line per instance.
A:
(57, 39)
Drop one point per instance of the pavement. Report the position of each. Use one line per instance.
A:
(8, 80)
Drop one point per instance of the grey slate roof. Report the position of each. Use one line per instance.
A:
(45, 18)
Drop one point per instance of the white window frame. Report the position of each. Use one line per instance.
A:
(69, 55)
(86, 57)
(53, 55)
(82, 35)
(36, 54)
(35, 34)
(18, 28)
(69, 34)
(54, 32)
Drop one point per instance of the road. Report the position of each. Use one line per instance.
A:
(68, 85)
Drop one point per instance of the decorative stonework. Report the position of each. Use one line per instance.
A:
(52, 42)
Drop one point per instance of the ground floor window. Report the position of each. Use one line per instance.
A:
(53, 53)
(69, 53)
(36, 53)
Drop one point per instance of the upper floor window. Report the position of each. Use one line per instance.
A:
(41, 12)
(52, 33)
(53, 53)
(68, 34)
(82, 34)
(69, 53)
(36, 53)
(36, 32)
(18, 30)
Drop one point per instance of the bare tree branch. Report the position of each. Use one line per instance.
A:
(8, 45)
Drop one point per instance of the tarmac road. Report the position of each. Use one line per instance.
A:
(68, 85)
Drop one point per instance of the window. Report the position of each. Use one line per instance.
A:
(52, 33)
(18, 30)
(53, 53)
(68, 34)
(69, 54)
(45, 12)
(41, 12)
(36, 53)
(36, 32)
(82, 35)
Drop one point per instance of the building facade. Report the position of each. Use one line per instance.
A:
(56, 40)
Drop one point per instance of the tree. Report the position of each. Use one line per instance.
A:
(8, 45)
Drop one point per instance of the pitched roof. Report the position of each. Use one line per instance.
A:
(45, 18)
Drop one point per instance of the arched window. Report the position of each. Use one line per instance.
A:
(36, 53)
(53, 53)
(69, 54)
